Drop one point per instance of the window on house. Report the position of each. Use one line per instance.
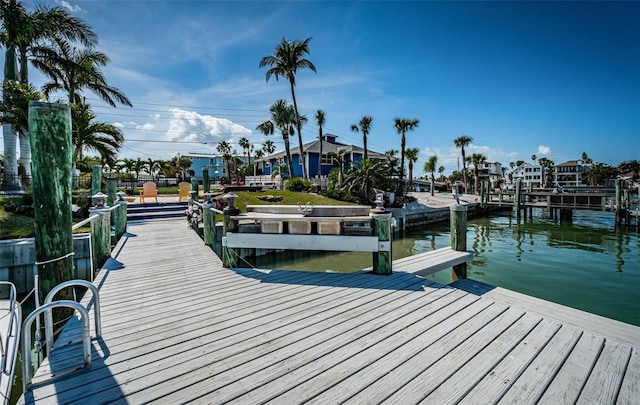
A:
(327, 160)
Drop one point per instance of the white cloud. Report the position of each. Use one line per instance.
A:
(147, 126)
(544, 150)
(194, 127)
(70, 7)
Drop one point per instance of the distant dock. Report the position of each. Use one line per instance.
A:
(177, 327)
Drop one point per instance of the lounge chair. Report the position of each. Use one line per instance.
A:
(149, 190)
(183, 190)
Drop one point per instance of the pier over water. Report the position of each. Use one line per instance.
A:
(178, 327)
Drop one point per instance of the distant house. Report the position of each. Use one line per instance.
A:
(529, 175)
(491, 172)
(571, 173)
(312, 154)
(214, 164)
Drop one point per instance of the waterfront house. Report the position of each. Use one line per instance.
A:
(491, 172)
(530, 175)
(352, 153)
(571, 173)
(214, 164)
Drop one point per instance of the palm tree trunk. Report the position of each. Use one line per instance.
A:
(25, 161)
(320, 156)
(299, 126)
(433, 184)
(289, 161)
(464, 172)
(10, 159)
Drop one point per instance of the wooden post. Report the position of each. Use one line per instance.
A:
(100, 236)
(381, 224)
(618, 203)
(209, 222)
(229, 255)
(96, 181)
(458, 220)
(206, 187)
(195, 184)
(517, 198)
(111, 191)
(120, 218)
(50, 138)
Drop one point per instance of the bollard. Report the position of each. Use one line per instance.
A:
(458, 219)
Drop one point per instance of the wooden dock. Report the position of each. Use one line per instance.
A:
(177, 327)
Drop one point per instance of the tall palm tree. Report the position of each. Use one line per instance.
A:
(72, 70)
(430, 167)
(282, 117)
(462, 142)
(87, 133)
(365, 126)
(441, 172)
(246, 148)
(289, 56)
(402, 125)
(476, 159)
(224, 149)
(392, 161)
(258, 154)
(412, 156)
(320, 121)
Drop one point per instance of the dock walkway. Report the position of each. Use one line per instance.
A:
(177, 327)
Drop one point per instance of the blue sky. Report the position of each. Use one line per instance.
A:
(547, 78)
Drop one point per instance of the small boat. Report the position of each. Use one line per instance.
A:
(10, 323)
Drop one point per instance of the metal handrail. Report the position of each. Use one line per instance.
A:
(48, 323)
(26, 337)
(14, 308)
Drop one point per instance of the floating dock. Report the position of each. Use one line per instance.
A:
(177, 327)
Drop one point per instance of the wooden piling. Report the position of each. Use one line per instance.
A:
(111, 191)
(100, 236)
(195, 184)
(517, 198)
(50, 138)
(229, 255)
(209, 223)
(206, 187)
(618, 202)
(458, 221)
(381, 224)
(96, 181)
(120, 222)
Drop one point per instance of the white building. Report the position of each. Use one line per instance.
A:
(491, 172)
(571, 173)
(530, 175)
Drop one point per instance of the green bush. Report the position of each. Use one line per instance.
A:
(298, 184)
(342, 195)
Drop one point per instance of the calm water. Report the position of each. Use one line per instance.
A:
(589, 265)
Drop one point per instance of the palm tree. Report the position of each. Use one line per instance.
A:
(534, 157)
(403, 125)
(320, 121)
(247, 148)
(282, 117)
(87, 133)
(548, 165)
(72, 70)
(462, 142)
(363, 177)
(259, 153)
(224, 149)
(338, 156)
(20, 31)
(268, 147)
(391, 158)
(286, 60)
(430, 167)
(412, 156)
(476, 159)
(441, 172)
(365, 126)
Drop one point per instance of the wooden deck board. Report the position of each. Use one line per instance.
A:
(177, 327)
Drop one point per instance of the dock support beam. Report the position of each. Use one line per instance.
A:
(517, 198)
(50, 136)
(209, 224)
(458, 219)
(618, 202)
(229, 225)
(206, 186)
(96, 182)
(195, 184)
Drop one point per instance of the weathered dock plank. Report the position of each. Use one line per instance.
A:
(178, 328)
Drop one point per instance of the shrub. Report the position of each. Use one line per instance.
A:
(342, 195)
(298, 184)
